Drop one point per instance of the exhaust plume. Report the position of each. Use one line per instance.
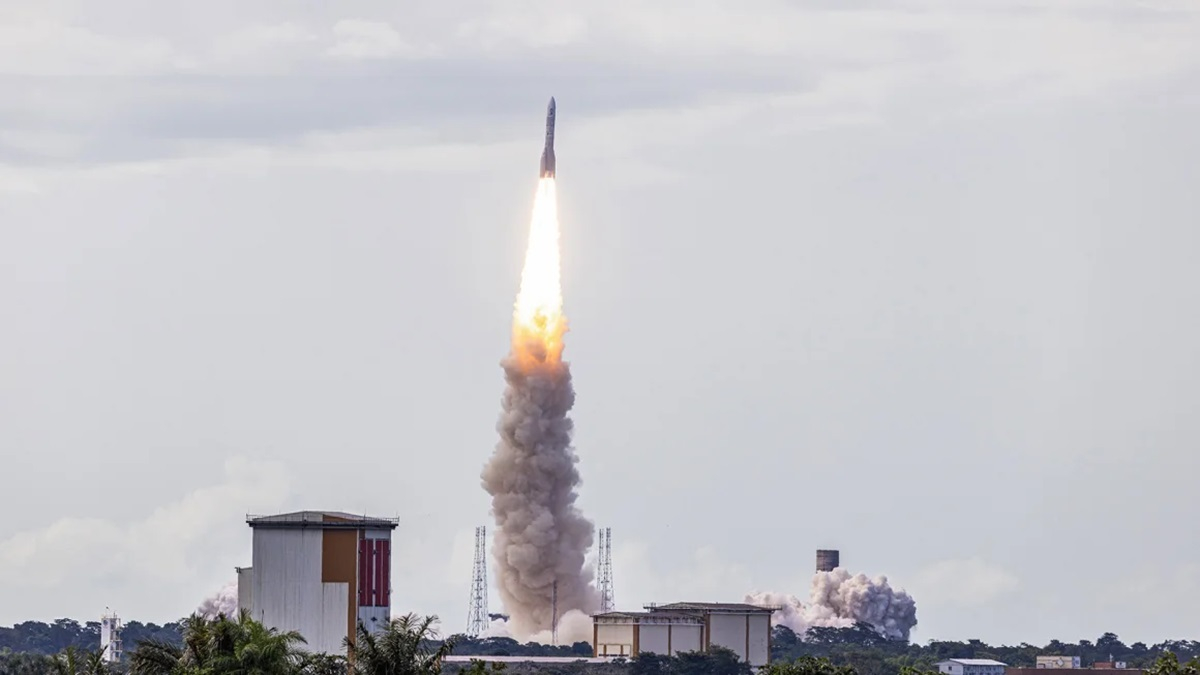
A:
(224, 601)
(839, 600)
(541, 537)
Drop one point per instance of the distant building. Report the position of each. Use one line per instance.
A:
(319, 573)
(1058, 662)
(971, 667)
(111, 648)
(686, 627)
(1072, 667)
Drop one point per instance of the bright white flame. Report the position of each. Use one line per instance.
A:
(537, 315)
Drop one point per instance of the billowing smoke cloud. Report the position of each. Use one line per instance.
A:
(838, 599)
(573, 626)
(224, 601)
(541, 537)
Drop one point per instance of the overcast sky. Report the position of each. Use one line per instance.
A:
(915, 280)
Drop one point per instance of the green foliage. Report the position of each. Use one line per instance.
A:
(870, 654)
(478, 667)
(1168, 664)
(718, 661)
(808, 665)
(466, 645)
(52, 638)
(406, 646)
(222, 646)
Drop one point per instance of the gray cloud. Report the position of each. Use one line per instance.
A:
(932, 247)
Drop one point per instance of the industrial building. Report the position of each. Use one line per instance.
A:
(686, 627)
(319, 573)
(828, 560)
(971, 667)
(1070, 665)
(1058, 662)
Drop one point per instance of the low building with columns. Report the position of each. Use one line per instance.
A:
(686, 627)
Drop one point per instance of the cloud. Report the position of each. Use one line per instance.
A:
(643, 576)
(44, 48)
(86, 556)
(173, 96)
(360, 39)
(964, 582)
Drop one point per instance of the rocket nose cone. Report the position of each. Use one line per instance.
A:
(552, 103)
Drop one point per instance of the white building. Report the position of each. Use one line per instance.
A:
(319, 573)
(110, 638)
(686, 627)
(1058, 662)
(971, 667)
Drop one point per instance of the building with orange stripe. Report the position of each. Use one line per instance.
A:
(319, 573)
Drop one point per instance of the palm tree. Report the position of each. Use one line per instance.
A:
(156, 657)
(257, 650)
(320, 663)
(221, 646)
(408, 645)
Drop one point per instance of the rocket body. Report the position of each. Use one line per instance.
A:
(547, 165)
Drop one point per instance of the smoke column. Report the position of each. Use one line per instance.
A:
(540, 536)
(224, 601)
(837, 599)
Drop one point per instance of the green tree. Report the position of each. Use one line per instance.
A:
(808, 665)
(408, 645)
(221, 646)
(479, 667)
(1168, 664)
(320, 663)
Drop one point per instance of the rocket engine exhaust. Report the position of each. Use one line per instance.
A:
(541, 537)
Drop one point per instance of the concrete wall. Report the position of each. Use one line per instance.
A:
(728, 631)
(747, 635)
(686, 638)
(760, 639)
(245, 584)
(655, 638)
(287, 589)
(614, 639)
(331, 623)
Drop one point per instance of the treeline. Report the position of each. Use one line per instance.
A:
(465, 645)
(34, 648)
(35, 637)
(871, 654)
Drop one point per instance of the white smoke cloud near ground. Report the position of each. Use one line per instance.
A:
(573, 626)
(224, 601)
(541, 537)
(838, 599)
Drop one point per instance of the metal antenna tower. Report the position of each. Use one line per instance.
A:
(605, 573)
(477, 615)
(554, 613)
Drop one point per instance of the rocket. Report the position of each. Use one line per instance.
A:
(547, 168)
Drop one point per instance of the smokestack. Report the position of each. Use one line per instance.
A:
(827, 560)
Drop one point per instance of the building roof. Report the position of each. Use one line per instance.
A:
(635, 616)
(327, 520)
(974, 662)
(467, 658)
(735, 607)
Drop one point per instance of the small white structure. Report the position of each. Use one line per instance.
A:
(1058, 662)
(110, 638)
(971, 667)
(686, 627)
